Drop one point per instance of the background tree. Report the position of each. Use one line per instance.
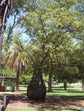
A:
(3, 14)
(8, 8)
(78, 59)
(78, 51)
(15, 57)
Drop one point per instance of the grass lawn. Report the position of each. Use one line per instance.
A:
(45, 109)
(21, 87)
(71, 92)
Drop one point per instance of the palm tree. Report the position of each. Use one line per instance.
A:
(15, 57)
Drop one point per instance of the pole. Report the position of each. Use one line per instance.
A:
(0, 105)
(4, 99)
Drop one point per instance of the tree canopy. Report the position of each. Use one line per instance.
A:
(55, 29)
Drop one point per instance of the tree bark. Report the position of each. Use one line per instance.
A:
(1, 40)
(1, 33)
(36, 89)
(65, 85)
(25, 67)
(83, 86)
(17, 79)
(50, 83)
(3, 13)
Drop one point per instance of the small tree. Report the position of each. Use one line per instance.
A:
(67, 74)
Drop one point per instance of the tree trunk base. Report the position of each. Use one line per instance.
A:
(65, 86)
(83, 86)
(36, 91)
(50, 90)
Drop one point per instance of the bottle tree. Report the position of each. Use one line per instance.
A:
(47, 23)
(36, 88)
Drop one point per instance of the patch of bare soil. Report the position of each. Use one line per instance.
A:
(21, 102)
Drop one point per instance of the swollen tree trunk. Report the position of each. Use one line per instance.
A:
(83, 86)
(36, 89)
(65, 85)
(17, 79)
(50, 83)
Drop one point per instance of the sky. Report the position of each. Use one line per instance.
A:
(17, 29)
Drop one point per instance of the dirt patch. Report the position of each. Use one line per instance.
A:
(21, 102)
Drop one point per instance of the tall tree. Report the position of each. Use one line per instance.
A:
(8, 7)
(4, 5)
(49, 23)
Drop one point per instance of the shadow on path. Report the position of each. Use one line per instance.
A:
(16, 101)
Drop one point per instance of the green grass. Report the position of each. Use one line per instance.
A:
(44, 109)
(21, 87)
(71, 92)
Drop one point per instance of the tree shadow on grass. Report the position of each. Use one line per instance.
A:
(51, 103)
(68, 90)
(69, 93)
(48, 109)
(74, 97)
(69, 96)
